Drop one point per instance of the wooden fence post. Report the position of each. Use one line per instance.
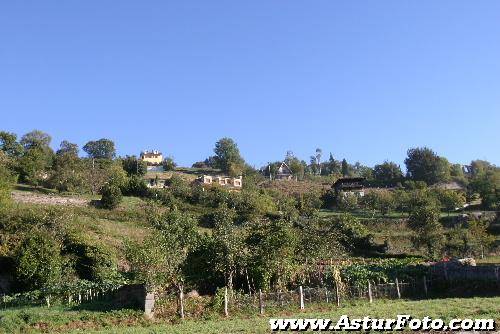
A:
(397, 289)
(370, 291)
(425, 285)
(261, 302)
(301, 298)
(181, 301)
(226, 313)
(337, 293)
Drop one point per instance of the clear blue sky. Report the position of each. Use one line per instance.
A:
(364, 80)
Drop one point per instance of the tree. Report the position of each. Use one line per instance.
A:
(38, 260)
(36, 160)
(485, 181)
(387, 174)
(228, 243)
(457, 174)
(330, 167)
(67, 170)
(295, 165)
(316, 161)
(345, 168)
(67, 148)
(33, 166)
(383, 200)
(422, 164)
(272, 246)
(451, 200)
(347, 201)
(160, 259)
(9, 144)
(134, 166)
(227, 156)
(35, 138)
(169, 164)
(482, 240)
(100, 149)
(111, 196)
(428, 232)
(6, 180)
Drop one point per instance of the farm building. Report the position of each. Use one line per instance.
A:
(284, 172)
(225, 181)
(349, 185)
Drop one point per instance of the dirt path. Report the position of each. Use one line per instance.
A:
(29, 197)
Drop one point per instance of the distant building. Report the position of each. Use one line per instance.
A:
(152, 157)
(350, 185)
(225, 181)
(467, 169)
(284, 172)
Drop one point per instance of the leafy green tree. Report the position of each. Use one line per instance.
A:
(481, 238)
(422, 164)
(385, 202)
(9, 144)
(485, 181)
(100, 149)
(451, 200)
(227, 156)
(67, 148)
(6, 180)
(67, 169)
(428, 232)
(387, 174)
(347, 202)
(228, 242)
(169, 164)
(318, 240)
(39, 261)
(111, 196)
(35, 138)
(457, 174)
(345, 168)
(34, 165)
(136, 186)
(295, 165)
(94, 260)
(134, 166)
(332, 166)
(160, 259)
(272, 246)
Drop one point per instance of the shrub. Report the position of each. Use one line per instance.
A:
(39, 261)
(111, 196)
(135, 186)
(93, 261)
(347, 202)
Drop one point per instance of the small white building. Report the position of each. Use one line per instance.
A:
(225, 181)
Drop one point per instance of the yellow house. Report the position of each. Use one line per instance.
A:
(152, 157)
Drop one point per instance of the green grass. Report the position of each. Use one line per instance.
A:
(96, 320)
(494, 259)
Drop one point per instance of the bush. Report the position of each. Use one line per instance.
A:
(38, 261)
(111, 196)
(135, 187)
(347, 202)
(93, 261)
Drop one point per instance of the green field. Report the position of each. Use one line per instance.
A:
(75, 320)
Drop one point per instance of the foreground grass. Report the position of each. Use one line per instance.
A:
(63, 319)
